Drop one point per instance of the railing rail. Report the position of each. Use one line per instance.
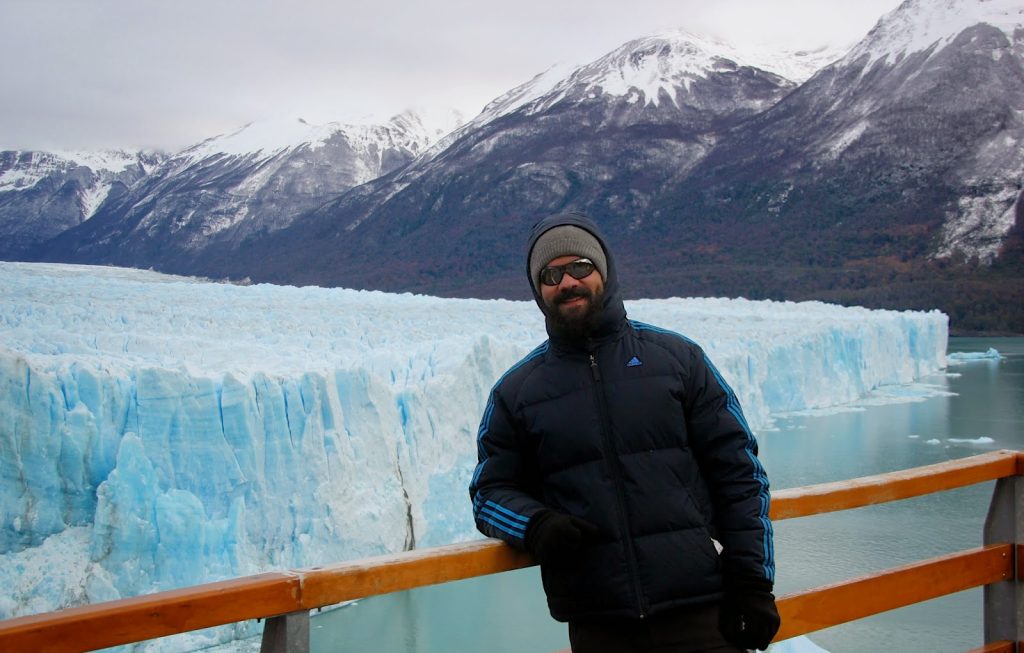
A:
(291, 594)
(831, 605)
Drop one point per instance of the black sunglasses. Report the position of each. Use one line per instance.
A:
(581, 268)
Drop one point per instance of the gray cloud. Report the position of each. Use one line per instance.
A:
(138, 73)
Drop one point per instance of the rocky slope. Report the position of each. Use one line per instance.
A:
(45, 193)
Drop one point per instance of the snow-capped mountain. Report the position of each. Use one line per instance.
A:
(45, 193)
(944, 39)
(659, 68)
(912, 145)
(256, 179)
(931, 25)
(647, 71)
(609, 135)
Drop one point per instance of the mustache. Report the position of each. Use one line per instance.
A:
(572, 293)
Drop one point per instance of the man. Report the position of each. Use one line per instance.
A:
(616, 454)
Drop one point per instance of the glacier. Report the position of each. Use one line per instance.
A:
(159, 431)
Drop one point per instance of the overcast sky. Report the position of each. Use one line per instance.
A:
(89, 74)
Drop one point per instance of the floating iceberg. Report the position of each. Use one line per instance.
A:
(979, 440)
(158, 431)
(967, 356)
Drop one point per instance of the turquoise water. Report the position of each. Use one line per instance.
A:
(811, 551)
(981, 401)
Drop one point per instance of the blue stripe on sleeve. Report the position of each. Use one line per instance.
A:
(500, 517)
(501, 527)
(514, 516)
(509, 526)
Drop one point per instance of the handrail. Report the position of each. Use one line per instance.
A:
(136, 619)
(831, 605)
(893, 486)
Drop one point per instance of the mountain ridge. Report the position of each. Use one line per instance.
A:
(255, 179)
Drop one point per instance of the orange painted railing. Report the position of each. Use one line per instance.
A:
(285, 593)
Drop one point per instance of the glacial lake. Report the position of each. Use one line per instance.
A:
(972, 408)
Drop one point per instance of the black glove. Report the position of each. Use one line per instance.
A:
(747, 615)
(553, 536)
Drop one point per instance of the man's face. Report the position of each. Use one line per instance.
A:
(573, 302)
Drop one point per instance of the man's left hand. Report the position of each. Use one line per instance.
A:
(747, 615)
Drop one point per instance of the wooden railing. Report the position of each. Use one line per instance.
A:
(285, 598)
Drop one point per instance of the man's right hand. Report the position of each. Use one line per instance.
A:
(553, 536)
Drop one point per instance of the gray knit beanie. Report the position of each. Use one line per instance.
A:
(564, 240)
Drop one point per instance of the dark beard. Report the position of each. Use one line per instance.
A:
(576, 326)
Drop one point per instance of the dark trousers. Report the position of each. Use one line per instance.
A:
(683, 630)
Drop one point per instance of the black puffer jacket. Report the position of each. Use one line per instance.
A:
(636, 432)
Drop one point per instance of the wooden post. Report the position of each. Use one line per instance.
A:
(1004, 602)
(286, 633)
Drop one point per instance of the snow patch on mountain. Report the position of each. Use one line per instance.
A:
(219, 223)
(32, 167)
(536, 88)
(104, 160)
(91, 198)
(801, 65)
(917, 25)
(414, 128)
(267, 137)
(838, 144)
(676, 58)
(23, 178)
(428, 124)
(978, 226)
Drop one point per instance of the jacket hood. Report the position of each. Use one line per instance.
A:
(613, 313)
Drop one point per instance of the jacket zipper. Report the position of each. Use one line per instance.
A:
(620, 490)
